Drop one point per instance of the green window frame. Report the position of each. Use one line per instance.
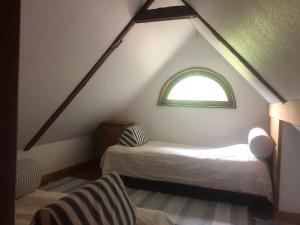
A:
(191, 72)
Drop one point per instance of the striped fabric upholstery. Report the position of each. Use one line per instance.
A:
(134, 136)
(101, 202)
(28, 177)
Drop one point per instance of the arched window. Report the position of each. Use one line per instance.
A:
(197, 87)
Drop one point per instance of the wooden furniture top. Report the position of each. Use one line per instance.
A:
(110, 132)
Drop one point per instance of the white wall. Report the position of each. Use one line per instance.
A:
(61, 40)
(201, 126)
(60, 155)
(289, 199)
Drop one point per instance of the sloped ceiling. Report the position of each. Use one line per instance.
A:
(127, 71)
(60, 42)
(265, 32)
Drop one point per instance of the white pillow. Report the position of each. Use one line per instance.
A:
(260, 143)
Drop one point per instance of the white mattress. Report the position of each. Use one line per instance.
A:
(26, 207)
(232, 168)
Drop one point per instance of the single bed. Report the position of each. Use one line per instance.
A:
(233, 168)
(26, 207)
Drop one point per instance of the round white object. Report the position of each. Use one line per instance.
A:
(260, 143)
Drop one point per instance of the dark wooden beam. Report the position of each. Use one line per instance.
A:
(9, 57)
(162, 14)
(85, 80)
(239, 56)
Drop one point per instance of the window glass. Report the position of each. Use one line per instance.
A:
(197, 87)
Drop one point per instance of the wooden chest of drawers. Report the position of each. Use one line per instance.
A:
(110, 131)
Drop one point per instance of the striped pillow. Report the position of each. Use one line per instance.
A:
(28, 177)
(101, 202)
(134, 136)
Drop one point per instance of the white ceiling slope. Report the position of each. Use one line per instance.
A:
(145, 50)
(265, 32)
(60, 42)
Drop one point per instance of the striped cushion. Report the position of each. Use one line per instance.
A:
(28, 177)
(101, 202)
(260, 144)
(134, 136)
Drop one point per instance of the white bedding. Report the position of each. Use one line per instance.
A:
(232, 168)
(26, 207)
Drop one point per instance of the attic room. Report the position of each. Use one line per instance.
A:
(150, 112)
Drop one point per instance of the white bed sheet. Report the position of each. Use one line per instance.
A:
(232, 168)
(26, 207)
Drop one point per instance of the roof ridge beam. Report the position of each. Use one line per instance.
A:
(163, 14)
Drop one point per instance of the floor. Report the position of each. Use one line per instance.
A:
(180, 210)
(92, 171)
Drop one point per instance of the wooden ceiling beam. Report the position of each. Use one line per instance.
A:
(163, 14)
(85, 80)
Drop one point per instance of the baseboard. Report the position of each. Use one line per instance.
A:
(87, 170)
(287, 217)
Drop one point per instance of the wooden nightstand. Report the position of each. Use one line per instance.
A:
(110, 131)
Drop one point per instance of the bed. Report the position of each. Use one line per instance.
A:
(26, 207)
(102, 201)
(233, 168)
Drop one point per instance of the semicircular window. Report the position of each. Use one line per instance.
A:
(197, 87)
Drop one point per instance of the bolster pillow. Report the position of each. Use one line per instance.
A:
(134, 136)
(260, 143)
(28, 177)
